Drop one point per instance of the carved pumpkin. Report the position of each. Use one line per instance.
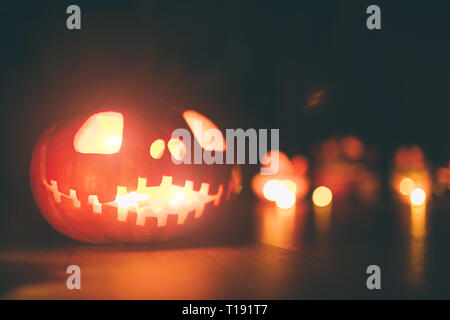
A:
(109, 176)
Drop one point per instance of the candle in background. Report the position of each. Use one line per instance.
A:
(322, 196)
(278, 227)
(442, 180)
(417, 197)
(280, 218)
(322, 202)
(287, 185)
(410, 174)
(342, 163)
(412, 182)
(417, 245)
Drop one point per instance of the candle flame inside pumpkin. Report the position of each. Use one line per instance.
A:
(154, 201)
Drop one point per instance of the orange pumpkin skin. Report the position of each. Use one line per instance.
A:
(77, 193)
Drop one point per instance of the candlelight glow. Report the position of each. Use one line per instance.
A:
(157, 149)
(271, 189)
(417, 249)
(287, 185)
(286, 201)
(406, 186)
(411, 171)
(281, 191)
(322, 196)
(417, 197)
(443, 176)
(115, 176)
(101, 134)
(280, 227)
(352, 147)
(159, 201)
(131, 199)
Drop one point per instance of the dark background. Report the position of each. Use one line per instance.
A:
(250, 64)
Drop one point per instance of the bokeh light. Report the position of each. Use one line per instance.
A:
(282, 192)
(322, 196)
(417, 197)
(286, 200)
(289, 183)
(406, 186)
(271, 190)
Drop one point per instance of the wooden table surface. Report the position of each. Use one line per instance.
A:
(306, 253)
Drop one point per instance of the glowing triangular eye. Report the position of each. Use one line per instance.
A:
(101, 133)
(205, 131)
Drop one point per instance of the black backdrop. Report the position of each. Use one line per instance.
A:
(247, 63)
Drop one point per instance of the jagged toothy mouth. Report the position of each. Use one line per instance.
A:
(155, 201)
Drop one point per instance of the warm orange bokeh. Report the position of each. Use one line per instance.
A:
(322, 196)
(342, 165)
(287, 185)
(410, 172)
(417, 197)
(443, 176)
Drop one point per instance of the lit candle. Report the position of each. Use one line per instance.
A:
(287, 185)
(322, 198)
(418, 236)
(417, 197)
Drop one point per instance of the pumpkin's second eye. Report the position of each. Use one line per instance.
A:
(100, 134)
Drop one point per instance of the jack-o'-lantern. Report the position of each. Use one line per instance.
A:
(109, 176)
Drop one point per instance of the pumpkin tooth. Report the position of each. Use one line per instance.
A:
(204, 189)
(96, 206)
(122, 213)
(199, 210)
(73, 196)
(121, 190)
(162, 219)
(54, 189)
(182, 216)
(142, 184)
(142, 214)
(189, 185)
(166, 181)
